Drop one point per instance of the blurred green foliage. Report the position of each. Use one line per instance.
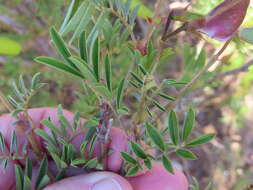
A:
(10, 47)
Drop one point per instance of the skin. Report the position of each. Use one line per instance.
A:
(157, 177)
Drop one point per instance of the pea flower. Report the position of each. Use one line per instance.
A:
(223, 21)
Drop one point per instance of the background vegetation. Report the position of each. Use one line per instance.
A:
(224, 105)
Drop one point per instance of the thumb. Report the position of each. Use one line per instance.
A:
(93, 181)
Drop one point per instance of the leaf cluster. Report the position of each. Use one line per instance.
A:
(59, 147)
(24, 93)
(178, 143)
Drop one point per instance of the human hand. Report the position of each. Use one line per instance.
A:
(157, 178)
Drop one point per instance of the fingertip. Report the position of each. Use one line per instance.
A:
(93, 181)
(161, 179)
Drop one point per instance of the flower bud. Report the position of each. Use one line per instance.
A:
(141, 46)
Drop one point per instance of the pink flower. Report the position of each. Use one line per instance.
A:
(223, 21)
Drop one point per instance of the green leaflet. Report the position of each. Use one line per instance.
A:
(138, 150)
(128, 158)
(173, 127)
(184, 153)
(120, 93)
(167, 164)
(108, 72)
(61, 46)
(201, 140)
(132, 171)
(188, 124)
(155, 136)
(59, 65)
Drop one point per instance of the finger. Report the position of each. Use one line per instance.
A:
(94, 181)
(7, 177)
(159, 178)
